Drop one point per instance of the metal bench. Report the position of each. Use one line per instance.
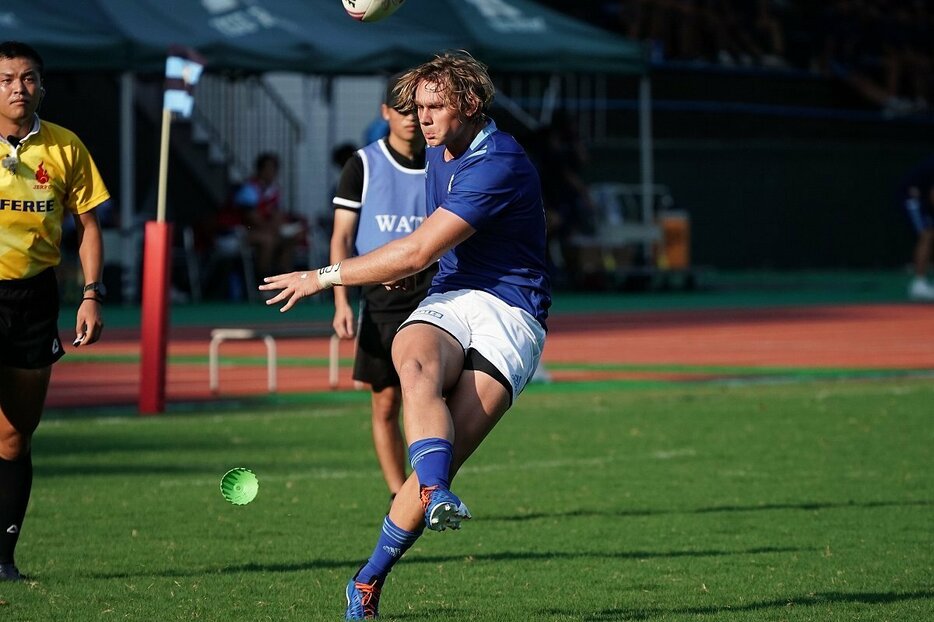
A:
(269, 336)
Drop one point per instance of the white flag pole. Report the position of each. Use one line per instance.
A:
(163, 164)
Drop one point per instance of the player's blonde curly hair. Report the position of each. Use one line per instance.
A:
(463, 81)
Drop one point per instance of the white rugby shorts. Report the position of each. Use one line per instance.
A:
(506, 336)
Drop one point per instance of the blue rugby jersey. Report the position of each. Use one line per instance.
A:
(495, 188)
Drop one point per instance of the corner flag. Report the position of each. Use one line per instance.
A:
(183, 69)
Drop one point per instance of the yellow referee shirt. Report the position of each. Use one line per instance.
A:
(48, 174)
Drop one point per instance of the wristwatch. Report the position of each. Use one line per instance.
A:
(100, 292)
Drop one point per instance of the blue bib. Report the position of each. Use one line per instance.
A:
(393, 199)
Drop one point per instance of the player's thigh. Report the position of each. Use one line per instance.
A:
(427, 358)
(477, 403)
(22, 396)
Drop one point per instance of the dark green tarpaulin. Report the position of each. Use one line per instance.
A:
(312, 36)
(308, 36)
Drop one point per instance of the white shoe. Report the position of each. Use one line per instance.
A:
(920, 289)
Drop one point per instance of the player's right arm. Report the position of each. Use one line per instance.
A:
(440, 232)
(342, 241)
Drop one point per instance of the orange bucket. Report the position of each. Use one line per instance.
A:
(676, 240)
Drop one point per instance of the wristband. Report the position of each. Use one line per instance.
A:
(95, 299)
(329, 276)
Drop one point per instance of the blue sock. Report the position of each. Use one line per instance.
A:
(431, 459)
(393, 542)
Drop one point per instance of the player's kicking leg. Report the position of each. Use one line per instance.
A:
(477, 403)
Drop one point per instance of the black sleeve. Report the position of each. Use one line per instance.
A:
(350, 185)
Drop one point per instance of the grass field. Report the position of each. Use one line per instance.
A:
(805, 500)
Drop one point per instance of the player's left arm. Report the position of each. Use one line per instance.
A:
(89, 322)
(439, 233)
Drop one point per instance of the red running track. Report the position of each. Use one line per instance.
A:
(880, 336)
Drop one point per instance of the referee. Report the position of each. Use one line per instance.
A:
(46, 172)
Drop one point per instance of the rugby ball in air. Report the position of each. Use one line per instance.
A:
(371, 10)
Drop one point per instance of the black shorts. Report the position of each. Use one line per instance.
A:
(373, 359)
(29, 322)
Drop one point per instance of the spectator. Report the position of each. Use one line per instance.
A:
(271, 232)
(905, 32)
(916, 197)
(768, 26)
(671, 25)
(878, 48)
(747, 32)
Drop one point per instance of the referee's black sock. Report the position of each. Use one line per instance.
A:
(15, 486)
